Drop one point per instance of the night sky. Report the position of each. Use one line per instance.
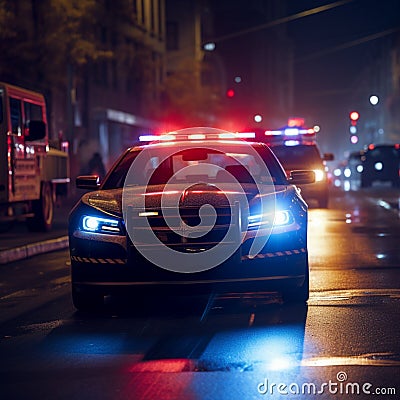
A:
(335, 64)
(330, 81)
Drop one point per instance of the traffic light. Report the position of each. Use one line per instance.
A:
(230, 93)
(354, 116)
(354, 139)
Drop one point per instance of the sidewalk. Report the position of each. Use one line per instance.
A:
(19, 243)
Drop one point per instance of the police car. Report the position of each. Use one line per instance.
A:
(296, 148)
(193, 211)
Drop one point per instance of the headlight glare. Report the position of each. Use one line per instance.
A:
(257, 219)
(319, 175)
(281, 217)
(100, 225)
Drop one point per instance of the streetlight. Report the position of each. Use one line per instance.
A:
(374, 99)
(210, 46)
(258, 118)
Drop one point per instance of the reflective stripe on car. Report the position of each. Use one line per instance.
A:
(92, 260)
(275, 254)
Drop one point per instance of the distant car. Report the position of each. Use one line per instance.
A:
(354, 165)
(122, 234)
(308, 157)
(351, 170)
(381, 163)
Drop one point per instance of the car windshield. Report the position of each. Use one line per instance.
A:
(297, 156)
(199, 164)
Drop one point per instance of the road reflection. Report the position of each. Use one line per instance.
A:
(238, 333)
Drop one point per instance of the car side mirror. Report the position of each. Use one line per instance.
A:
(328, 157)
(301, 177)
(91, 182)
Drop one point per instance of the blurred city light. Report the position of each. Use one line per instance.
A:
(230, 93)
(354, 115)
(374, 100)
(354, 139)
(209, 46)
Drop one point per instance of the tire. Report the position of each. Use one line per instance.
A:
(86, 301)
(298, 294)
(43, 210)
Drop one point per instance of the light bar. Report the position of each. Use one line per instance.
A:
(152, 138)
(227, 135)
(197, 136)
(291, 132)
(148, 138)
(246, 135)
(275, 133)
(292, 142)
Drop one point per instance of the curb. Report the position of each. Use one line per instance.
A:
(29, 250)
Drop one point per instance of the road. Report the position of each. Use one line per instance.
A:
(346, 340)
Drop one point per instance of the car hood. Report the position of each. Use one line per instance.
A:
(112, 201)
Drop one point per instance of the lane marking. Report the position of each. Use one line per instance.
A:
(371, 359)
(347, 294)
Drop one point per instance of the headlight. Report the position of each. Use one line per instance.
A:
(100, 225)
(281, 217)
(319, 175)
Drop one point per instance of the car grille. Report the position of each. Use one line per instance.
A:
(171, 232)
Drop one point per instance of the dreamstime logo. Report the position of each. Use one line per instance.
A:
(143, 208)
(341, 376)
(340, 386)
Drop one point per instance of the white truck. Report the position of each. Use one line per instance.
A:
(32, 173)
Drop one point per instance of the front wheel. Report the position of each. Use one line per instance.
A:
(43, 210)
(87, 301)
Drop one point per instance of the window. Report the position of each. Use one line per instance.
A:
(16, 116)
(210, 166)
(33, 112)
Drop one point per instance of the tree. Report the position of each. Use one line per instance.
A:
(55, 33)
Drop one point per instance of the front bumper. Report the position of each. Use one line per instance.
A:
(129, 271)
(110, 263)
